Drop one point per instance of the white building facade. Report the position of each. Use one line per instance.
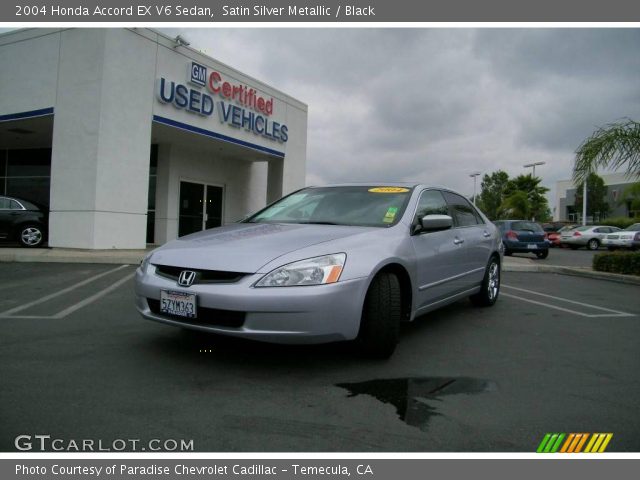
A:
(131, 137)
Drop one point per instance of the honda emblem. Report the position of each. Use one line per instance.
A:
(186, 278)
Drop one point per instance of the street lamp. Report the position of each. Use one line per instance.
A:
(534, 166)
(533, 218)
(475, 176)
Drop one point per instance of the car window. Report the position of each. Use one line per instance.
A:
(463, 213)
(4, 203)
(526, 226)
(431, 202)
(13, 205)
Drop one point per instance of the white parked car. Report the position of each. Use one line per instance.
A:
(627, 238)
(589, 236)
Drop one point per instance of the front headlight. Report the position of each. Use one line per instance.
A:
(313, 271)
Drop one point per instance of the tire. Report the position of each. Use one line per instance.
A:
(543, 254)
(490, 288)
(380, 323)
(593, 244)
(30, 236)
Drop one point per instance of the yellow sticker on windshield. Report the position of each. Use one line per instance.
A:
(390, 216)
(388, 190)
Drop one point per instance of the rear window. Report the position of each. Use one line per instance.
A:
(526, 227)
(583, 229)
(633, 228)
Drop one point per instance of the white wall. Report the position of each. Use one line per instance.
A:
(101, 83)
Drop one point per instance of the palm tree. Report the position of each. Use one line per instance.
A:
(612, 146)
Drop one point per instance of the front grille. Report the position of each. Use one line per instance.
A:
(206, 316)
(202, 276)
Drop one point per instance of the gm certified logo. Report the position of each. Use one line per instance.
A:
(198, 74)
(186, 278)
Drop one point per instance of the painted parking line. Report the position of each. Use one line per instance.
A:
(11, 313)
(608, 311)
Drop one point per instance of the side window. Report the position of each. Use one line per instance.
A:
(4, 203)
(13, 205)
(431, 203)
(463, 213)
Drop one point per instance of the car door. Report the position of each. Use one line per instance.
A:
(6, 217)
(438, 254)
(477, 237)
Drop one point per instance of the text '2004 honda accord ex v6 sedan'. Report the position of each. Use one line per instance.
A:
(324, 264)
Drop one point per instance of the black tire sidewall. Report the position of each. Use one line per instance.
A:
(380, 323)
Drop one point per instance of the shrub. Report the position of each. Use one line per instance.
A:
(617, 262)
(620, 222)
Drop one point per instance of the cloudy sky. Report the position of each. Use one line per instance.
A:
(434, 105)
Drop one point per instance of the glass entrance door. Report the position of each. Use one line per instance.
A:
(200, 207)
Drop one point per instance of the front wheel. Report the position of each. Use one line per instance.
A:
(30, 236)
(593, 244)
(490, 288)
(543, 254)
(380, 322)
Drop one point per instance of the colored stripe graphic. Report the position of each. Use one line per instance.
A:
(574, 443)
(550, 443)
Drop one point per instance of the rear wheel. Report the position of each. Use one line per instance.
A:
(490, 288)
(543, 254)
(30, 236)
(593, 244)
(380, 323)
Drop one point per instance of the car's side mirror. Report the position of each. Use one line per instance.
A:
(433, 223)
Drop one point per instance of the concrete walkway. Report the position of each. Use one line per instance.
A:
(134, 257)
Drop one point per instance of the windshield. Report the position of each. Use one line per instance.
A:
(366, 206)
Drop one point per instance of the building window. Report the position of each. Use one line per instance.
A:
(26, 173)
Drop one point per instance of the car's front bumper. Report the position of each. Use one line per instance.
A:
(295, 315)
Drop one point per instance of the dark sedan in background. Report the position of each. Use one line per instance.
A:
(523, 236)
(22, 221)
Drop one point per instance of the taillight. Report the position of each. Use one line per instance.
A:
(511, 235)
(577, 234)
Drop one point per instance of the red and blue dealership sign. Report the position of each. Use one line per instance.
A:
(236, 104)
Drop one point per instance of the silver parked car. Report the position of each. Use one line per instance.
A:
(589, 236)
(327, 264)
(627, 238)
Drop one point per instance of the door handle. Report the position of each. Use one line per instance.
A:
(486, 234)
(458, 241)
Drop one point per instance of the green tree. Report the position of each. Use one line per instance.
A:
(492, 194)
(516, 205)
(538, 206)
(596, 196)
(613, 146)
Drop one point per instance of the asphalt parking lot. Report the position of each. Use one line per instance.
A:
(556, 354)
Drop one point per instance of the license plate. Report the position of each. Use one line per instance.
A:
(532, 246)
(178, 303)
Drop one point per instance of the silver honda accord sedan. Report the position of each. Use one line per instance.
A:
(324, 264)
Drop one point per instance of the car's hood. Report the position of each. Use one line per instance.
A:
(245, 247)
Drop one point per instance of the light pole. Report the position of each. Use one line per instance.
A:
(533, 218)
(534, 166)
(475, 176)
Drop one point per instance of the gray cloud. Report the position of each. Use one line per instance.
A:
(434, 105)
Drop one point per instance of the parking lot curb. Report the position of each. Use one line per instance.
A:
(46, 255)
(577, 272)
